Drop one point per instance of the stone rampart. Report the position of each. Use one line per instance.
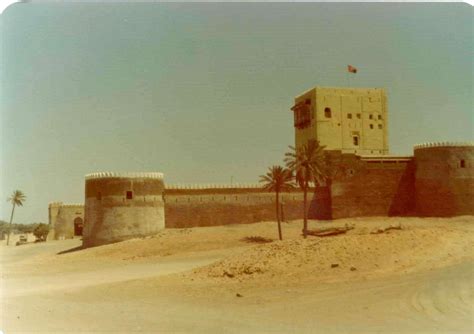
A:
(65, 220)
(444, 179)
(119, 206)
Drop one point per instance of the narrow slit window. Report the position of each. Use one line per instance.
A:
(129, 194)
(463, 163)
(327, 112)
(371, 126)
(355, 140)
(371, 116)
(380, 117)
(358, 116)
(99, 195)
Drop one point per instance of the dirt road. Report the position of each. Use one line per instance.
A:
(87, 291)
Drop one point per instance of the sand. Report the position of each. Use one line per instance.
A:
(214, 280)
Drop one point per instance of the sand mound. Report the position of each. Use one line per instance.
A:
(333, 258)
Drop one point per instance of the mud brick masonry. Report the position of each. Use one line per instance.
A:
(437, 180)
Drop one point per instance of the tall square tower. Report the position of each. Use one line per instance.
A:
(352, 120)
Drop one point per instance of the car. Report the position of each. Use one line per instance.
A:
(22, 240)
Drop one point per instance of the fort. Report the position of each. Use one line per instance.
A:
(437, 180)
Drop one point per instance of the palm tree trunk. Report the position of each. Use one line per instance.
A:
(278, 214)
(305, 214)
(10, 225)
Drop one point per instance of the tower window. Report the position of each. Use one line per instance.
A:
(349, 116)
(380, 126)
(129, 194)
(302, 116)
(308, 101)
(463, 163)
(358, 116)
(355, 140)
(371, 126)
(379, 116)
(327, 112)
(371, 116)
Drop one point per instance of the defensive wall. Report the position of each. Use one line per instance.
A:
(211, 205)
(437, 181)
(360, 187)
(65, 220)
(120, 206)
(372, 186)
(444, 179)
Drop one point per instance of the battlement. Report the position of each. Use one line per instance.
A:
(386, 158)
(65, 205)
(72, 205)
(213, 186)
(443, 144)
(124, 175)
(345, 90)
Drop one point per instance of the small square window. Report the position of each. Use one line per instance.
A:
(349, 116)
(380, 126)
(308, 101)
(129, 194)
(379, 116)
(358, 116)
(327, 112)
(371, 126)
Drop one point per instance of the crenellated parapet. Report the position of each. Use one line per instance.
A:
(72, 205)
(65, 205)
(127, 175)
(198, 186)
(443, 144)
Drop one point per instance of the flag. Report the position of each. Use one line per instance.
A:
(351, 69)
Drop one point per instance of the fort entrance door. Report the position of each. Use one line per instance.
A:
(78, 223)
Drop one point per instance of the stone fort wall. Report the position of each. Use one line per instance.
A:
(372, 186)
(437, 181)
(444, 179)
(432, 182)
(120, 206)
(65, 220)
(211, 205)
(360, 188)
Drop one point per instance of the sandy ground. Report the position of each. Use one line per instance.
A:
(213, 280)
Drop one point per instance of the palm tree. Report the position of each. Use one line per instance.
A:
(308, 165)
(17, 198)
(277, 179)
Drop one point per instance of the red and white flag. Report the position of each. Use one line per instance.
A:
(351, 69)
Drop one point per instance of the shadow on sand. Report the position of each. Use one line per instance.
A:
(75, 249)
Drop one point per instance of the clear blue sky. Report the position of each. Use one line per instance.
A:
(201, 92)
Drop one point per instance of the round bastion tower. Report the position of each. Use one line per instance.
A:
(444, 180)
(120, 206)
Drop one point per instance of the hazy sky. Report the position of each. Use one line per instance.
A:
(201, 92)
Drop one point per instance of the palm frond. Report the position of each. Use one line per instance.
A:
(17, 198)
(308, 163)
(277, 179)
